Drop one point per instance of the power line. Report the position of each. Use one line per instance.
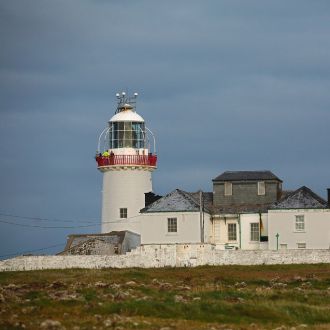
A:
(62, 227)
(42, 219)
(50, 227)
(24, 252)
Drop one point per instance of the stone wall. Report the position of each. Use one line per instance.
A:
(169, 255)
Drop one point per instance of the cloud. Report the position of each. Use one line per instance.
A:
(224, 85)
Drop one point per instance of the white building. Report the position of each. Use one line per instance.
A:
(246, 210)
(299, 221)
(178, 217)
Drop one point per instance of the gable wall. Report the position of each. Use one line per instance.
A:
(316, 234)
(154, 228)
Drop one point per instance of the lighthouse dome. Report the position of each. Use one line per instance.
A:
(127, 114)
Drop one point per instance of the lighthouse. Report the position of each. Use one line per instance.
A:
(126, 155)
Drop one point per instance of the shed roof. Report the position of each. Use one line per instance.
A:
(246, 176)
(302, 198)
(116, 237)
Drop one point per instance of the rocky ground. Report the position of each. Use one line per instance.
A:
(231, 297)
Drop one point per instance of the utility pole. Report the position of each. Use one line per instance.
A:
(201, 220)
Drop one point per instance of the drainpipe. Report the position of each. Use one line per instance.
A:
(239, 231)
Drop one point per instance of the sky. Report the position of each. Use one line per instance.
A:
(223, 85)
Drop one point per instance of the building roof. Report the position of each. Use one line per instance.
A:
(207, 199)
(176, 201)
(114, 237)
(127, 115)
(302, 198)
(246, 176)
(242, 208)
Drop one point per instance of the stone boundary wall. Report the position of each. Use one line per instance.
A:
(169, 255)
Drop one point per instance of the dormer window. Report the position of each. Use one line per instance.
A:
(261, 188)
(228, 188)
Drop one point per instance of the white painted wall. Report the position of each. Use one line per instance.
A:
(124, 187)
(154, 228)
(246, 220)
(316, 234)
(220, 231)
(169, 255)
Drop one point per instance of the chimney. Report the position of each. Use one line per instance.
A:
(328, 197)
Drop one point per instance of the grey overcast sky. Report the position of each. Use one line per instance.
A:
(223, 84)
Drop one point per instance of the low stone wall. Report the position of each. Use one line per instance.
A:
(169, 255)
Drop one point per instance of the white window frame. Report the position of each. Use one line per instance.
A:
(254, 232)
(299, 223)
(228, 189)
(231, 232)
(123, 213)
(261, 188)
(301, 245)
(172, 225)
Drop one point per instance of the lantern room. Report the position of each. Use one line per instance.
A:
(126, 140)
(127, 129)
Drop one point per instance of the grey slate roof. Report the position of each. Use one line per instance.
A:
(302, 198)
(243, 208)
(246, 176)
(207, 199)
(176, 201)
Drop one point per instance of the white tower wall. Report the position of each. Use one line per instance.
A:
(126, 160)
(124, 187)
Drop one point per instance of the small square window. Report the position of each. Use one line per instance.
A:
(301, 245)
(172, 225)
(123, 213)
(228, 188)
(283, 246)
(254, 232)
(261, 188)
(232, 233)
(300, 223)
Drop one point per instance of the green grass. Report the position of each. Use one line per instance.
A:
(179, 298)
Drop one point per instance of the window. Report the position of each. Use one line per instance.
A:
(172, 226)
(123, 212)
(228, 188)
(254, 232)
(127, 135)
(283, 246)
(232, 235)
(300, 223)
(261, 188)
(301, 245)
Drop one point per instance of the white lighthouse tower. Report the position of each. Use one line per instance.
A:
(126, 156)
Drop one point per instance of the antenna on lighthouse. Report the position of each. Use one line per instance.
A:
(126, 102)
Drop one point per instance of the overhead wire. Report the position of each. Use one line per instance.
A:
(55, 227)
(43, 219)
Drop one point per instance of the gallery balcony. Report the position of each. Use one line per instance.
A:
(126, 160)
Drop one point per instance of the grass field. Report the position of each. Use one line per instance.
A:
(228, 297)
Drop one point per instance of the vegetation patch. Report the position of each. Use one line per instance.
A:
(235, 297)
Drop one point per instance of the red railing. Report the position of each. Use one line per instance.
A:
(149, 160)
